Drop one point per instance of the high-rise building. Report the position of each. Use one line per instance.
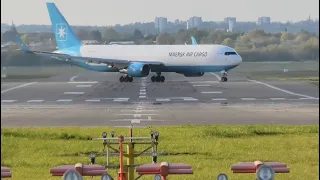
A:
(231, 21)
(263, 20)
(161, 24)
(194, 22)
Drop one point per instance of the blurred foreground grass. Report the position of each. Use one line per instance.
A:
(31, 152)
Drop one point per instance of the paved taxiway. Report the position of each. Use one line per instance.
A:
(78, 100)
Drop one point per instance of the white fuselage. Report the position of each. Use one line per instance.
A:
(170, 55)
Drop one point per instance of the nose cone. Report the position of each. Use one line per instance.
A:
(239, 59)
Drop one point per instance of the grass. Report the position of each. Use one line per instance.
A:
(31, 152)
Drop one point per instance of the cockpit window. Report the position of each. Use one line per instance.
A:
(230, 53)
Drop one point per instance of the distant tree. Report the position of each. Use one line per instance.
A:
(165, 38)
(227, 42)
(95, 35)
(109, 34)
(137, 34)
(82, 34)
(9, 36)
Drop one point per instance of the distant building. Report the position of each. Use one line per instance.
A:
(263, 21)
(161, 24)
(194, 22)
(231, 21)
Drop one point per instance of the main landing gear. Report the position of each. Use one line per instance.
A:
(158, 78)
(126, 79)
(224, 77)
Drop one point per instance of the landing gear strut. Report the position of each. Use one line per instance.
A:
(126, 79)
(224, 77)
(158, 78)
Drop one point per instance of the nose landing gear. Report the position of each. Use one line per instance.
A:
(224, 77)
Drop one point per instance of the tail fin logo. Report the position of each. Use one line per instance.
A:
(61, 32)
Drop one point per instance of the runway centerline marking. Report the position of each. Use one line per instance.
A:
(93, 100)
(84, 85)
(217, 76)
(17, 87)
(197, 82)
(283, 90)
(277, 98)
(73, 93)
(72, 78)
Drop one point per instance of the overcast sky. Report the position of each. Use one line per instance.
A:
(111, 12)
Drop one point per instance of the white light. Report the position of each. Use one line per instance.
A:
(265, 173)
(154, 154)
(222, 176)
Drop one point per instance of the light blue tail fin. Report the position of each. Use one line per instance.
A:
(194, 41)
(63, 33)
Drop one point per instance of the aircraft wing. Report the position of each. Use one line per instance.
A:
(66, 57)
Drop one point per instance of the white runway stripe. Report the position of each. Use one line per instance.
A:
(219, 99)
(8, 101)
(73, 93)
(120, 99)
(35, 101)
(211, 92)
(17, 87)
(64, 100)
(279, 89)
(82, 82)
(142, 96)
(190, 99)
(277, 98)
(162, 99)
(202, 85)
(142, 93)
(248, 99)
(93, 100)
(84, 85)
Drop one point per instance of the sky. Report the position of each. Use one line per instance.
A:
(111, 12)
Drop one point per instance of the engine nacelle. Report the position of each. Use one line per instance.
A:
(138, 70)
(193, 74)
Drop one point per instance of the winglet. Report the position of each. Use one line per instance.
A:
(23, 46)
(194, 41)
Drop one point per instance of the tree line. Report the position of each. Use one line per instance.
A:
(256, 45)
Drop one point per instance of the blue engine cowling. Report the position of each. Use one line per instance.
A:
(193, 74)
(138, 70)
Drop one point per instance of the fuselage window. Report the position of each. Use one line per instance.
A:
(230, 53)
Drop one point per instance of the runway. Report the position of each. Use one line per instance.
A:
(179, 100)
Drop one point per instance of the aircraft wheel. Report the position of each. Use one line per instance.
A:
(224, 79)
(126, 79)
(130, 79)
(121, 79)
(162, 78)
(158, 79)
(153, 78)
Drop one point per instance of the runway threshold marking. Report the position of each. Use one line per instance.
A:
(248, 99)
(283, 90)
(17, 87)
(219, 99)
(64, 100)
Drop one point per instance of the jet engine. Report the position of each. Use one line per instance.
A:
(138, 70)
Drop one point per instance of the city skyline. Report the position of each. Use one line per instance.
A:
(99, 14)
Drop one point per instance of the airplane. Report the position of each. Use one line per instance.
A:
(136, 60)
